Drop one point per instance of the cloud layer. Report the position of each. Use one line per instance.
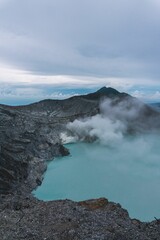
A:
(113, 42)
(105, 38)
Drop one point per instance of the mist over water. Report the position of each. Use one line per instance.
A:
(128, 173)
(117, 118)
(123, 167)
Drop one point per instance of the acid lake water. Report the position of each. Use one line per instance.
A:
(127, 172)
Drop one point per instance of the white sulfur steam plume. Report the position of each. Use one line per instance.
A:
(115, 118)
(97, 128)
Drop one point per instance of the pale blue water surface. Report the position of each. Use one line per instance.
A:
(127, 173)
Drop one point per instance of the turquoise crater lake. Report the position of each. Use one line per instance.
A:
(127, 173)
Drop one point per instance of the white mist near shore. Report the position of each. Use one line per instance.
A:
(97, 128)
(121, 167)
(128, 173)
(108, 127)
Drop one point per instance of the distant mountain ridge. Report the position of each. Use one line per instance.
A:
(76, 104)
(103, 92)
(156, 106)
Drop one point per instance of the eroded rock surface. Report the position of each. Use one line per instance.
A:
(30, 135)
(28, 218)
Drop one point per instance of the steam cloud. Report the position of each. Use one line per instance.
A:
(109, 126)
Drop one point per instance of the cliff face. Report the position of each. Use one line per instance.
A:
(30, 134)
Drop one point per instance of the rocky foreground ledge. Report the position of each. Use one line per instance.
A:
(30, 135)
(28, 218)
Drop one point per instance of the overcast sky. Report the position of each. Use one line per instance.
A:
(48, 46)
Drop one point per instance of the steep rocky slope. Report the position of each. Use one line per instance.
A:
(30, 135)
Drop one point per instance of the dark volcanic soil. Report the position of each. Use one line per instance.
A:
(28, 218)
(30, 135)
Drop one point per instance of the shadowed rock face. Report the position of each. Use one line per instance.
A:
(30, 135)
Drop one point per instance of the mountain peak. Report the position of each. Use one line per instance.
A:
(107, 90)
(103, 92)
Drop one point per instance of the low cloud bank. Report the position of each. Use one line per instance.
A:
(109, 126)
